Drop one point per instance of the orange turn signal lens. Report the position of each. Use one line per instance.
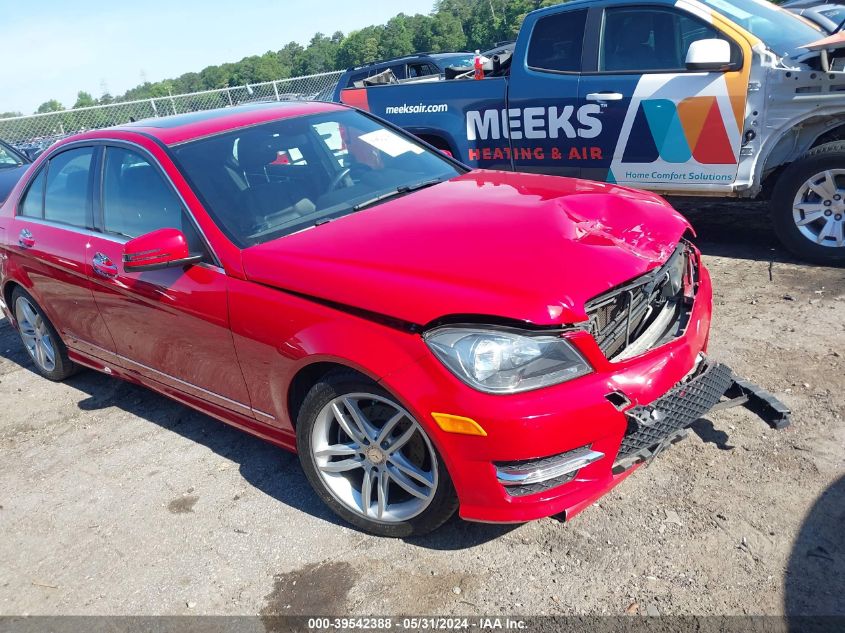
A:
(458, 424)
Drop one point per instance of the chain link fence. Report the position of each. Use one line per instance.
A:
(37, 132)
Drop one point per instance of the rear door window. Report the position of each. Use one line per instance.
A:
(421, 69)
(137, 200)
(68, 191)
(32, 205)
(556, 42)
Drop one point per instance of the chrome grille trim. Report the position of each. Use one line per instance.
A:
(536, 475)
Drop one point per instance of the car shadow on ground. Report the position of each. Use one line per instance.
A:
(815, 574)
(709, 434)
(272, 470)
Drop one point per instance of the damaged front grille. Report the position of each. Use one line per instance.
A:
(647, 311)
(680, 407)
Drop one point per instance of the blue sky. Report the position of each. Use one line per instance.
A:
(53, 48)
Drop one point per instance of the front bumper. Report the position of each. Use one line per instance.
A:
(555, 450)
(651, 428)
(549, 421)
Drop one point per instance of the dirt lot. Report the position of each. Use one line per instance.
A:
(114, 500)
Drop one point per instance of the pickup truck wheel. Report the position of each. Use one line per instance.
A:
(808, 205)
(370, 461)
(40, 338)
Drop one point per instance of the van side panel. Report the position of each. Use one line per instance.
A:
(470, 116)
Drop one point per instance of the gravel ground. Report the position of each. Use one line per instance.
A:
(114, 500)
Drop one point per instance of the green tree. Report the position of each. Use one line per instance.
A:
(447, 33)
(421, 28)
(213, 77)
(84, 100)
(397, 37)
(319, 56)
(360, 47)
(288, 57)
(50, 106)
(9, 115)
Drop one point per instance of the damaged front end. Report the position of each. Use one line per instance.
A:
(709, 387)
(648, 312)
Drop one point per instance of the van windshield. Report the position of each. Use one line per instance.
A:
(779, 29)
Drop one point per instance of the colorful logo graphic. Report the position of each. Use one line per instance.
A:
(694, 128)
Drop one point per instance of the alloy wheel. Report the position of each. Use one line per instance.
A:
(818, 209)
(374, 458)
(35, 334)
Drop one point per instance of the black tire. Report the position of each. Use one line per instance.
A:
(339, 383)
(816, 161)
(64, 367)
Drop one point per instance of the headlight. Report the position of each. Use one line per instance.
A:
(498, 361)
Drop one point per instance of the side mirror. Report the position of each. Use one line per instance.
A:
(164, 248)
(706, 55)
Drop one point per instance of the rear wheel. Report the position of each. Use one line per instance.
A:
(40, 338)
(370, 461)
(808, 204)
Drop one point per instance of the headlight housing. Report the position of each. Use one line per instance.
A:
(503, 361)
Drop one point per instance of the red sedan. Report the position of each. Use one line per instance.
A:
(426, 337)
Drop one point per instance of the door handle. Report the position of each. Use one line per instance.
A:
(104, 266)
(604, 96)
(26, 239)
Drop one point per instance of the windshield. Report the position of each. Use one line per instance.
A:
(460, 61)
(779, 29)
(837, 15)
(270, 180)
(8, 158)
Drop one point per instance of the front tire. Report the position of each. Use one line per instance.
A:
(808, 205)
(369, 460)
(40, 338)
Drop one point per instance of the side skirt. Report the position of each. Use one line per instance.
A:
(268, 433)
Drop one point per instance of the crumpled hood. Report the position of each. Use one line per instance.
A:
(526, 247)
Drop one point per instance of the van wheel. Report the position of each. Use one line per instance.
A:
(40, 338)
(369, 460)
(808, 205)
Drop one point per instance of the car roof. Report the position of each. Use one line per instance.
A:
(180, 128)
